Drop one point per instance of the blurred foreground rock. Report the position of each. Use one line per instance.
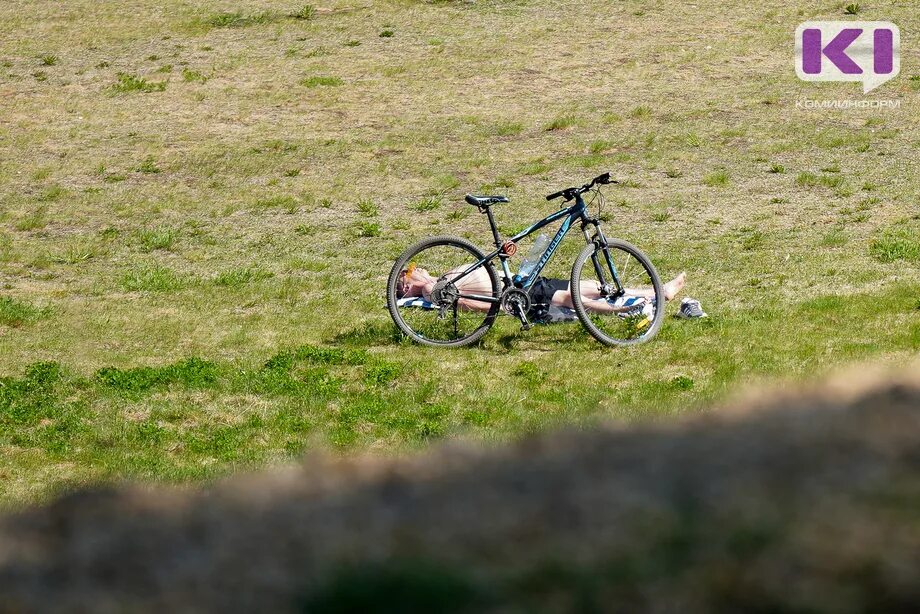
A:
(810, 502)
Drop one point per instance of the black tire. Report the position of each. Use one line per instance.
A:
(488, 318)
(597, 331)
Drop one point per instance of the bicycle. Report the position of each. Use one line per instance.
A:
(616, 309)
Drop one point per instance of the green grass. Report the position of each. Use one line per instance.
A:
(193, 76)
(176, 420)
(900, 242)
(149, 166)
(561, 122)
(428, 204)
(368, 229)
(321, 81)
(279, 201)
(151, 278)
(716, 179)
(15, 313)
(249, 202)
(241, 20)
(509, 128)
(367, 208)
(306, 12)
(235, 278)
(129, 83)
(156, 238)
(34, 220)
(834, 238)
(640, 112)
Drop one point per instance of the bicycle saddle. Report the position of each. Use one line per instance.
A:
(485, 201)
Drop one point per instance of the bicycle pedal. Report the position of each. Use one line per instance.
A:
(525, 323)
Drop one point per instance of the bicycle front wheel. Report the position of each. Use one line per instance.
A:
(436, 313)
(620, 300)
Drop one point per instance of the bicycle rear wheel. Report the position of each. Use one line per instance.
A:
(443, 318)
(620, 300)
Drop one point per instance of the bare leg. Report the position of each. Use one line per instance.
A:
(563, 298)
(671, 289)
(589, 289)
(591, 296)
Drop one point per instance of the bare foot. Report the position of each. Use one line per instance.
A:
(674, 286)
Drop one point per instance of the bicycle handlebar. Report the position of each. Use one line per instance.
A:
(571, 193)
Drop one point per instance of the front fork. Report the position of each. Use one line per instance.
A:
(612, 287)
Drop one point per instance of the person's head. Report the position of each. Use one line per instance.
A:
(411, 282)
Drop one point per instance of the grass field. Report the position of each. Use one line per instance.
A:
(200, 202)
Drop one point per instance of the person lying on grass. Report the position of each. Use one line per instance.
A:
(417, 281)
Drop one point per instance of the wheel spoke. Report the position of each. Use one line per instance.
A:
(629, 318)
(624, 279)
(428, 306)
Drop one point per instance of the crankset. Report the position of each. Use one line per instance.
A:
(517, 302)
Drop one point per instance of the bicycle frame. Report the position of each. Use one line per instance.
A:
(576, 212)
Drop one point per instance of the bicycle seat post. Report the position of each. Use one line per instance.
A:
(488, 212)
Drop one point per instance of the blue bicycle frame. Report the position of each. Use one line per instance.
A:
(576, 212)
